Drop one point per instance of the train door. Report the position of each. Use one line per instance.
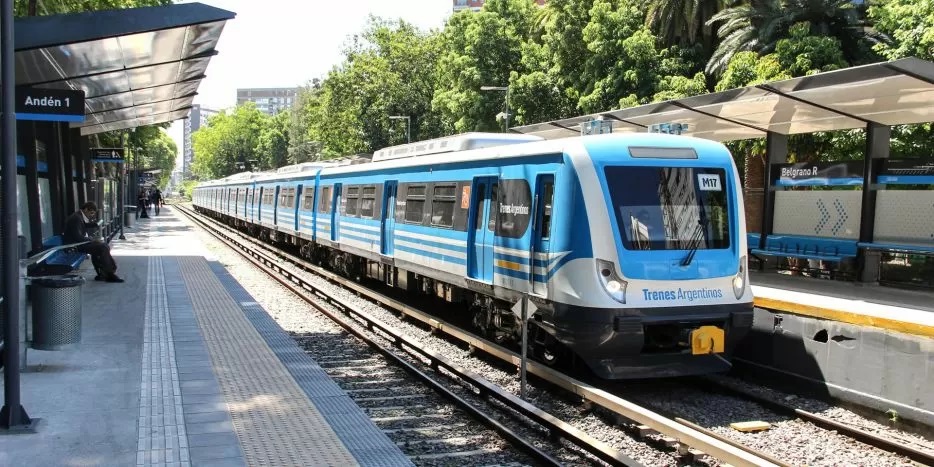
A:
(336, 213)
(481, 228)
(541, 233)
(275, 205)
(389, 217)
(296, 206)
(259, 205)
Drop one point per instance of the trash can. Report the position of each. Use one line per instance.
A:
(129, 216)
(56, 312)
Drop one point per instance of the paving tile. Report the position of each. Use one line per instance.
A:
(207, 417)
(208, 427)
(203, 453)
(212, 439)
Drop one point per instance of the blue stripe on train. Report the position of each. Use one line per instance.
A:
(445, 246)
(429, 254)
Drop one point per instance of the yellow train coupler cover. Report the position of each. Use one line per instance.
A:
(707, 339)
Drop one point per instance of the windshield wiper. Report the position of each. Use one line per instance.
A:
(695, 240)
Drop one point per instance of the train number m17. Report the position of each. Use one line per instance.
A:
(709, 182)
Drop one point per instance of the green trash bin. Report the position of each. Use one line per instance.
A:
(56, 312)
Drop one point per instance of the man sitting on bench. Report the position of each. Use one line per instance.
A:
(76, 232)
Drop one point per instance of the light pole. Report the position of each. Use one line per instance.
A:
(501, 88)
(408, 125)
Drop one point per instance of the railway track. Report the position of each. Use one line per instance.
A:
(427, 427)
(388, 343)
(689, 439)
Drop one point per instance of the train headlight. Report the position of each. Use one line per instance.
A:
(739, 281)
(614, 285)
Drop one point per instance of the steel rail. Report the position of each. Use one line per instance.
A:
(302, 288)
(710, 445)
(872, 439)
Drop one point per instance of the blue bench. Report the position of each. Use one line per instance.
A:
(67, 257)
(793, 246)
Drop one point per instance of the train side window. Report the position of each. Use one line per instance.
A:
(292, 197)
(401, 191)
(307, 200)
(548, 194)
(367, 201)
(415, 204)
(478, 212)
(494, 207)
(442, 205)
(352, 198)
(324, 204)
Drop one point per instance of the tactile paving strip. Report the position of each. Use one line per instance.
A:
(362, 437)
(162, 439)
(274, 420)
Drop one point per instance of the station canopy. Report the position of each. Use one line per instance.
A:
(138, 66)
(892, 93)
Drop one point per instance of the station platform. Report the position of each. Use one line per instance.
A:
(900, 310)
(868, 345)
(179, 366)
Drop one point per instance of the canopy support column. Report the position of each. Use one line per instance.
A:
(776, 152)
(878, 140)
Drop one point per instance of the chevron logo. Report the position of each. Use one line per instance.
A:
(824, 217)
(841, 220)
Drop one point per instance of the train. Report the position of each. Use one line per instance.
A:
(629, 249)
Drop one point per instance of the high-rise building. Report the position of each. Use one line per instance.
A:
(197, 118)
(476, 5)
(268, 100)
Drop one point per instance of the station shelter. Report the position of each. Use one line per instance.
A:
(78, 76)
(129, 68)
(871, 218)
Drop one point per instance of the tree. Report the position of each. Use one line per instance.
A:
(683, 22)
(758, 25)
(230, 141)
(910, 24)
(25, 7)
(480, 49)
(273, 145)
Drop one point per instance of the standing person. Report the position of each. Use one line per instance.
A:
(141, 204)
(155, 198)
(76, 232)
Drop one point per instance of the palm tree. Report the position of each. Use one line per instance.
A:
(683, 21)
(759, 24)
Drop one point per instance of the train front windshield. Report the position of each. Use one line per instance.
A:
(670, 208)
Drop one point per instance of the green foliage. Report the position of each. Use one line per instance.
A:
(574, 56)
(910, 23)
(273, 145)
(229, 140)
(758, 26)
(387, 71)
(21, 7)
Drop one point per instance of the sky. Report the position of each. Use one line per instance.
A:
(286, 43)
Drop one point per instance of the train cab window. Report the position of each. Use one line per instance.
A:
(352, 199)
(324, 204)
(307, 201)
(415, 204)
(367, 202)
(548, 195)
(442, 205)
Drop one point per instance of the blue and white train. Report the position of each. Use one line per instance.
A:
(631, 247)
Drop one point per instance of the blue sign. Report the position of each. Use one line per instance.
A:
(49, 105)
(111, 155)
(669, 128)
